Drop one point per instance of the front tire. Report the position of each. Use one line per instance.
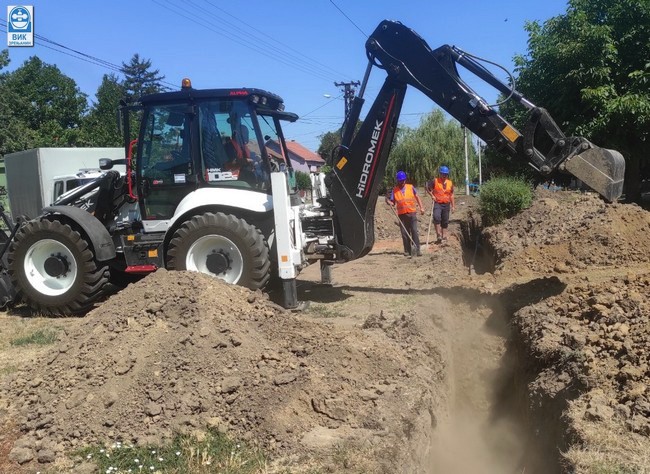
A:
(54, 269)
(222, 246)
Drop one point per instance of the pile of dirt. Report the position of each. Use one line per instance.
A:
(566, 232)
(180, 351)
(596, 337)
(586, 349)
(386, 223)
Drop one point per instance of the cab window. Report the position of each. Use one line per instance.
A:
(231, 152)
(165, 162)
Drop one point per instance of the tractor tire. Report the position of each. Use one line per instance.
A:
(222, 246)
(54, 269)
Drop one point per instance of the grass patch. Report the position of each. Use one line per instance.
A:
(42, 337)
(604, 468)
(324, 311)
(606, 447)
(211, 452)
(10, 369)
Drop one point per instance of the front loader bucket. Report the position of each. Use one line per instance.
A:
(600, 169)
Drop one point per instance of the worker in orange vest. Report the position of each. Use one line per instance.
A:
(442, 193)
(405, 199)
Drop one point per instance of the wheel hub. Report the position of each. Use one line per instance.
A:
(56, 266)
(218, 262)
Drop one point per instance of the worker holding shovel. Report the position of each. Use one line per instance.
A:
(404, 201)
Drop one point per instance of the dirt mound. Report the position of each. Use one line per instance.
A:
(589, 347)
(386, 223)
(597, 335)
(565, 232)
(180, 351)
(586, 348)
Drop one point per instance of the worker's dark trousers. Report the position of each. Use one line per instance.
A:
(410, 223)
(441, 214)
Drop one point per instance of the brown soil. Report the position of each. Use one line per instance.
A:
(405, 364)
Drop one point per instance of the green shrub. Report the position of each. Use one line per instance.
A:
(502, 198)
(303, 181)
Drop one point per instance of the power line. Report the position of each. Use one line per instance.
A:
(349, 19)
(61, 48)
(256, 42)
(238, 38)
(319, 107)
(310, 59)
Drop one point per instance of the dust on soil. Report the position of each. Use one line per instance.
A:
(408, 364)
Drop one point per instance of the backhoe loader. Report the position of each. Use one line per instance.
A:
(203, 193)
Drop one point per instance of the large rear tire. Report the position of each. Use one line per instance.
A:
(222, 246)
(54, 269)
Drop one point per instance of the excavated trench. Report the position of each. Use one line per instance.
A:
(493, 424)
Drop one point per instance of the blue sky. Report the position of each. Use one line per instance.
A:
(296, 49)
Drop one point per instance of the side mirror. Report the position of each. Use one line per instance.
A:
(107, 163)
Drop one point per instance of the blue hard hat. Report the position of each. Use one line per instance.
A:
(400, 176)
(444, 170)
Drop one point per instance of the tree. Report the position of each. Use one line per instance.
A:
(590, 69)
(303, 181)
(100, 126)
(140, 79)
(44, 101)
(4, 58)
(329, 141)
(422, 150)
(14, 134)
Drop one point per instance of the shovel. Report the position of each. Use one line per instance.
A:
(429, 229)
(413, 246)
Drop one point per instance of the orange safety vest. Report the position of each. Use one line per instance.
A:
(442, 190)
(405, 201)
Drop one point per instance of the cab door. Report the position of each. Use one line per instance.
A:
(167, 170)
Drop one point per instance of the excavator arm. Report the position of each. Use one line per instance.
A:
(360, 164)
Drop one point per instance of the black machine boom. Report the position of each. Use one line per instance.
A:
(360, 164)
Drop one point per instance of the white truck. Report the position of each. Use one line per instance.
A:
(34, 175)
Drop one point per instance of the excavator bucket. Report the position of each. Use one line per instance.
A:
(600, 169)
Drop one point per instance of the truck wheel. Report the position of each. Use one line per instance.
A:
(54, 269)
(223, 246)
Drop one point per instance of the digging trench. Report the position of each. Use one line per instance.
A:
(492, 424)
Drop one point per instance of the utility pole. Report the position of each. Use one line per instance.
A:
(348, 89)
(480, 171)
(466, 162)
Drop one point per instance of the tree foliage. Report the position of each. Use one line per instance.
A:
(140, 79)
(4, 58)
(101, 123)
(303, 181)
(422, 150)
(40, 106)
(329, 141)
(13, 134)
(590, 68)
(49, 102)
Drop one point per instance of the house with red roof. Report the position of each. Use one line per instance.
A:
(302, 159)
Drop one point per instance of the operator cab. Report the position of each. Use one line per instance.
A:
(191, 139)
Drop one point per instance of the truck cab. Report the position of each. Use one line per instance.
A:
(65, 183)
